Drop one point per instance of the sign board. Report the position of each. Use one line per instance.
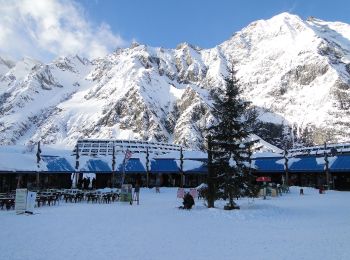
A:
(126, 193)
(21, 200)
(263, 179)
(31, 197)
(25, 201)
(194, 193)
(180, 193)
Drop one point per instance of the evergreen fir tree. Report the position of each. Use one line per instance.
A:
(231, 152)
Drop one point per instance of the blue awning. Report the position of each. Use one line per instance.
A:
(164, 166)
(57, 164)
(341, 164)
(133, 166)
(95, 165)
(200, 167)
(306, 164)
(269, 165)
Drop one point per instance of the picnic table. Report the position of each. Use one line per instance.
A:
(49, 198)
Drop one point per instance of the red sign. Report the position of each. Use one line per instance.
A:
(264, 179)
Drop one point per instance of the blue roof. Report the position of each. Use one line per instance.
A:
(341, 164)
(164, 166)
(302, 164)
(57, 164)
(269, 165)
(203, 169)
(306, 164)
(132, 166)
(96, 165)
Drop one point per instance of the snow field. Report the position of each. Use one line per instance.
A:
(313, 226)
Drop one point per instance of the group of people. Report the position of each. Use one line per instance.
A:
(84, 183)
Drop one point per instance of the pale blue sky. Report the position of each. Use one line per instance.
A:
(45, 29)
(201, 22)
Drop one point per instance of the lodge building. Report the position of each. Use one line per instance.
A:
(306, 167)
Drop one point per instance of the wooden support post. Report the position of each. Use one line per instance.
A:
(210, 181)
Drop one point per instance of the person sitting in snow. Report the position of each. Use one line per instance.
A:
(188, 201)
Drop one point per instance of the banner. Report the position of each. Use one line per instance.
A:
(126, 193)
(194, 193)
(128, 155)
(21, 201)
(31, 197)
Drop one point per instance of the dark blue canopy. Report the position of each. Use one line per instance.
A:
(302, 164)
(57, 164)
(341, 164)
(164, 166)
(96, 165)
(133, 166)
(306, 164)
(202, 169)
(269, 165)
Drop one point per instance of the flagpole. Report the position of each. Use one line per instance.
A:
(126, 159)
(113, 167)
(38, 159)
(76, 165)
(123, 177)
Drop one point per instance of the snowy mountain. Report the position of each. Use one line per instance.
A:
(295, 72)
(5, 66)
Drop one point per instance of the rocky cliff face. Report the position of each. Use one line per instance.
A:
(295, 72)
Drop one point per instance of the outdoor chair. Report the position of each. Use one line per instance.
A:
(52, 199)
(115, 197)
(78, 197)
(10, 204)
(92, 197)
(42, 201)
(68, 197)
(106, 198)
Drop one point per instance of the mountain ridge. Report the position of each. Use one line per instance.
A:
(296, 74)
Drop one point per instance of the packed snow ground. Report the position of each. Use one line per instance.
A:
(313, 226)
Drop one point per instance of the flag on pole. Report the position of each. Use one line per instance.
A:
(113, 159)
(128, 155)
(77, 157)
(38, 157)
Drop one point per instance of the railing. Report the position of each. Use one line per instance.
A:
(93, 147)
(321, 149)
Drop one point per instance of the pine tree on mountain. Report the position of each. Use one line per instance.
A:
(231, 151)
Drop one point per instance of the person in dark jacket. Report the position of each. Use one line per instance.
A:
(188, 201)
(93, 183)
(137, 192)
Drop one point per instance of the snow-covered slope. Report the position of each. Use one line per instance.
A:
(297, 69)
(295, 72)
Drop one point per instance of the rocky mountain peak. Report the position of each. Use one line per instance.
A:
(296, 74)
